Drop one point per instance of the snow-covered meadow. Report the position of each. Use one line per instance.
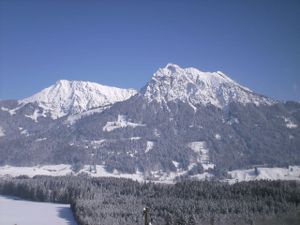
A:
(290, 173)
(21, 212)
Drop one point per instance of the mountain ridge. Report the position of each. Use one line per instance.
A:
(196, 87)
(165, 131)
(170, 83)
(73, 97)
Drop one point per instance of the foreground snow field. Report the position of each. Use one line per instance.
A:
(21, 212)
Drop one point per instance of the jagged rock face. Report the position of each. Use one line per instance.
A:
(183, 122)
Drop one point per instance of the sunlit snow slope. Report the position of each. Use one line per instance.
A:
(72, 97)
(193, 86)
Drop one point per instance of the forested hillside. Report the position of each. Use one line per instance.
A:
(108, 201)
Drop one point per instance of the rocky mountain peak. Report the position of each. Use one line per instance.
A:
(190, 85)
(72, 97)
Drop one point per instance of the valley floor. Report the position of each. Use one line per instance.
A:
(21, 212)
(290, 173)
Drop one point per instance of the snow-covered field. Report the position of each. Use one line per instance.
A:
(2, 133)
(94, 171)
(200, 148)
(62, 170)
(289, 123)
(120, 123)
(149, 146)
(51, 170)
(20, 212)
(291, 173)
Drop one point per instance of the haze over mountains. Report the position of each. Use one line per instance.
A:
(182, 123)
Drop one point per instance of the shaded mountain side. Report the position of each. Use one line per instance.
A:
(238, 138)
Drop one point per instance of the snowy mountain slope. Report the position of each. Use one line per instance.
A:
(73, 97)
(193, 86)
(183, 123)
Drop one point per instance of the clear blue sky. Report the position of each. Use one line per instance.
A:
(122, 43)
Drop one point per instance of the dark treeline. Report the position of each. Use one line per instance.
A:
(110, 201)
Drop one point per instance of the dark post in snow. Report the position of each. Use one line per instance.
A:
(146, 215)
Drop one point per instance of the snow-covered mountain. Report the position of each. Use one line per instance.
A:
(73, 97)
(183, 123)
(192, 86)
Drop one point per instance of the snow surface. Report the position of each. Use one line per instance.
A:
(13, 111)
(149, 146)
(97, 143)
(73, 97)
(40, 139)
(24, 131)
(120, 123)
(50, 170)
(192, 86)
(35, 115)
(72, 119)
(135, 138)
(202, 176)
(156, 132)
(291, 173)
(4, 109)
(289, 123)
(63, 170)
(176, 164)
(201, 149)
(2, 133)
(218, 136)
(132, 153)
(233, 121)
(99, 171)
(21, 212)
